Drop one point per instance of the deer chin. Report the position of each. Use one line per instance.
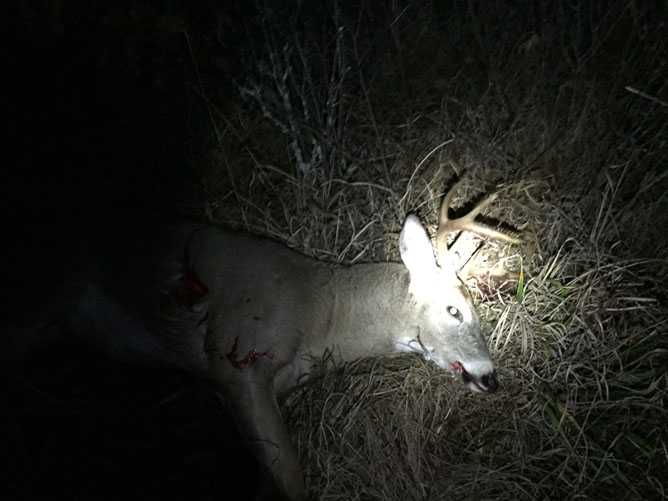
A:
(486, 383)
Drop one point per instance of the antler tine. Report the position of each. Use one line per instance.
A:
(443, 223)
(445, 204)
(466, 223)
(486, 231)
(473, 213)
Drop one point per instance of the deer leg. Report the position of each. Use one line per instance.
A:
(250, 395)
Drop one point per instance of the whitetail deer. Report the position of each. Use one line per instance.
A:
(253, 315)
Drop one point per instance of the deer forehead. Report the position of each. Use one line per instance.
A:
(441, 298)
(440, 286)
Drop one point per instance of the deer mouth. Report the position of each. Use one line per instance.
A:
(487, 383)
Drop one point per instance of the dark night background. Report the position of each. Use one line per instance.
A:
(97, 113)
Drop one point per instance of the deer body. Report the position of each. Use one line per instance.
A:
(252, 314)
(295, 307)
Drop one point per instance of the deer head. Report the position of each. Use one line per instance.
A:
(449, 326)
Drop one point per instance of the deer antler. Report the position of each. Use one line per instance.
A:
(465, 223)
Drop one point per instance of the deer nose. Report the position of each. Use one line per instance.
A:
(489, 382)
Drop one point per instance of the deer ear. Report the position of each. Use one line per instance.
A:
(415, 248)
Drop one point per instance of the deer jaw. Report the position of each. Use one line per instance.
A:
(446, 330)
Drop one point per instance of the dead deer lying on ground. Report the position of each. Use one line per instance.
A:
(252, 315)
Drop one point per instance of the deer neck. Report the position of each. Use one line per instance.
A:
(367, 309)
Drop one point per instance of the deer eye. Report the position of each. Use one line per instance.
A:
(455, 313)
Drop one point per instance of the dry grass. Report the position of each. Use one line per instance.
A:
(356, 135)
